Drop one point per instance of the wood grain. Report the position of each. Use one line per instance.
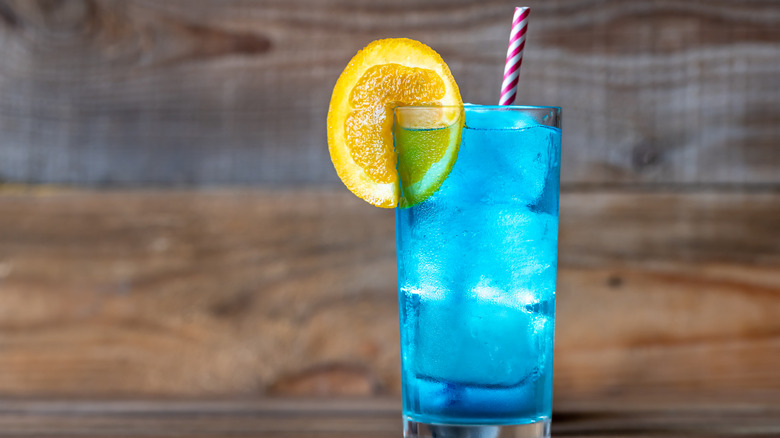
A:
(293, 292)
(340, 418)
(202, 92)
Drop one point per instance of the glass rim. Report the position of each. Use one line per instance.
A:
(484, 107)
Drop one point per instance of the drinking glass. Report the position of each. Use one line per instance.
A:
(477, 261)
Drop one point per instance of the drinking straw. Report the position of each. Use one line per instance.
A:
(514, 56)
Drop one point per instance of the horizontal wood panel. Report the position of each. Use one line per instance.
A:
(207, 92)
(339, 418)
(293, 292)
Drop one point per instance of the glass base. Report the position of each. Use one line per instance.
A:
(413, 429)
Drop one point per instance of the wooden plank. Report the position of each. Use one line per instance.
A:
(207, 92)
(292, 292)
(332, 418)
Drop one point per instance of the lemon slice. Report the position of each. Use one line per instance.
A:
(386, 74)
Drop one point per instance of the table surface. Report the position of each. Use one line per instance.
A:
(323, 418)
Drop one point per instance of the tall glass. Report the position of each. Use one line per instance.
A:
(477, 265)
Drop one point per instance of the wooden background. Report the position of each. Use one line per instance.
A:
(171, 225)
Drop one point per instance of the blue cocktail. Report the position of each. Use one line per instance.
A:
(476, 274)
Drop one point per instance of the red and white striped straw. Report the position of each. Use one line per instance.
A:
(514, 56)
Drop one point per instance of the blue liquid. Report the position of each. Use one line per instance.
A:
(476, 271)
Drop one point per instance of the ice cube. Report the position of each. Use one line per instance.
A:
(530, 251)
(476, 342)
(499, 166)
(530, 155)
(477, 118)
(513, 247)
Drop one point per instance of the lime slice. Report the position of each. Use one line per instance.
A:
(426, 150)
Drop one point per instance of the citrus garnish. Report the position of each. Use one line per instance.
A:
(386, 74)
(426, 141)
